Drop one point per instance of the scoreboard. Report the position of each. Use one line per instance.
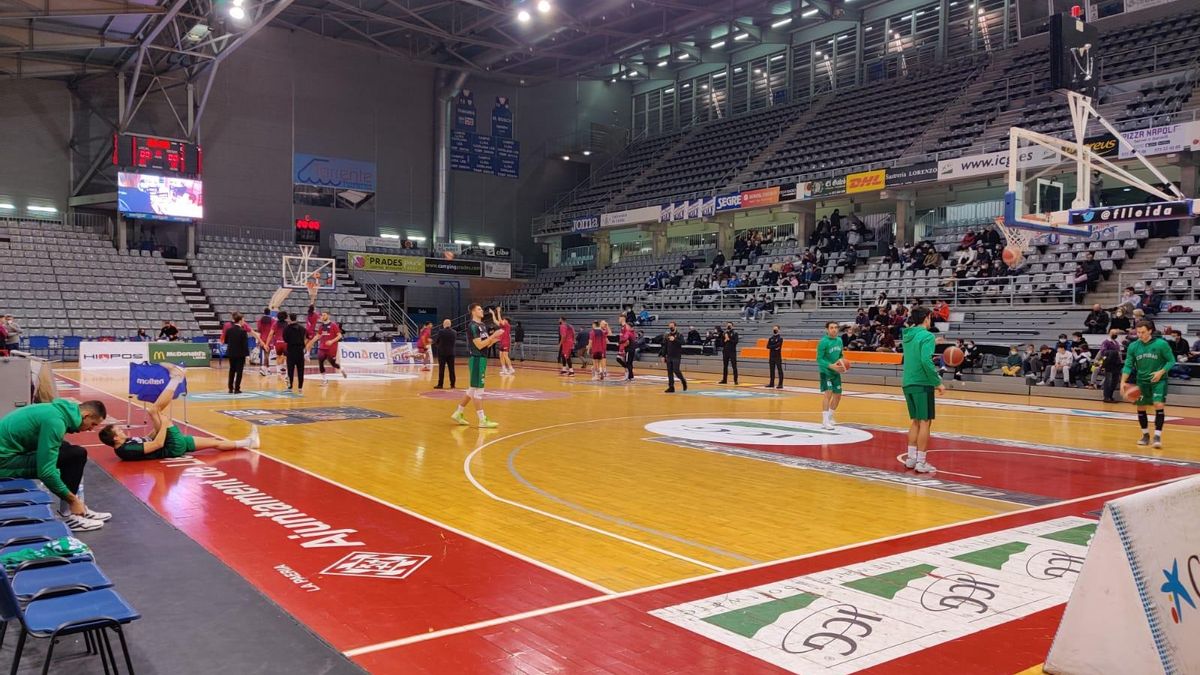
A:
(156, 154)
(308, 231)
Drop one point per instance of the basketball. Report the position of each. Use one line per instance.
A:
(1012, 256)
(841, 365)
(953, 357)
(1131, 392)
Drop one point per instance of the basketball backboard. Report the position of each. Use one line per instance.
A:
(302, 271)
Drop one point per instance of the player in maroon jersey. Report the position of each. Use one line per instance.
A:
(502, 325)
(267, 334)
(329, 334)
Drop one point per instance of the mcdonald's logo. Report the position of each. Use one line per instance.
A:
(865, 181)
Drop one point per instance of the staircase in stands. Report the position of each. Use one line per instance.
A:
(378, 316)
(663, 159)
(195, 296)
(790, 134)
(1108, 292)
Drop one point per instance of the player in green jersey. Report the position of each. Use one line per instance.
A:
(1152, 358)
(829, 352)
(478, 340)
(167, 440)
(920, 382)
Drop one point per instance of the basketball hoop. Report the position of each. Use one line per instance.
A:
(1018, 243)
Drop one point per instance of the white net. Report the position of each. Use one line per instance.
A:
(1017, 237)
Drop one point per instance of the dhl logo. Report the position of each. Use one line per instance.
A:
(862, 182)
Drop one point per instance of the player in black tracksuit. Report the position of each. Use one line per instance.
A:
(775, 355)
(295, 336)
(672, 354)
(729, 342)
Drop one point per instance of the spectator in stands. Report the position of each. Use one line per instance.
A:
(1120, 320)
(968, 239)
(733, 282)
(861, 317)
(892, 255)
(3, 338)
(718, 261)
(1080, 280)
(630, 318)
(941, 311)
(1013, 365)
(1179, 347)
(1081, 367)
(1153, 302)
(645, 318)
(686, 265)
(990, 238)
(1194, 353)
(767, 307)
(1129, 300)
(887, 341)
(693, 336)
(1077, 340)
(1092, 267)
(1032, 363)
(1096, 321)
(12, 330)
(748, 309)
(141, 336)
(933, 259)
(168, 332)
(652, 283)
(964, 258)
(1109, 357)
(1063, 360)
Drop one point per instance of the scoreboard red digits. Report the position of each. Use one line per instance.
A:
(156, 154)
(308, 231)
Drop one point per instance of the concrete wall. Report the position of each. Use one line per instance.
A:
(34, 128)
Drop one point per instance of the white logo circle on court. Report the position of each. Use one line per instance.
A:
(757, 432)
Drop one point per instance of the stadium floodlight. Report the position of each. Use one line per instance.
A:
(811, 12)
(543, 6)
(566, 158)
(663, 63)
(587, 153)
(415, 237)
(683, 57)
(463, 242)
(487, 244)
(717, 45)
(6, 205)
(741, 36)
(523, 16)
(237, 13)
(385, 235)
(43, 209)
(782, 22)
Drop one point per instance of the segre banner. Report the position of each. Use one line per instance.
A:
(365, 353)
(106, 355)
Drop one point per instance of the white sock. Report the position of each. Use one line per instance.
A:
(458, 410)
(912, 451)
(482, 417)
(920, 457)
(244, 443)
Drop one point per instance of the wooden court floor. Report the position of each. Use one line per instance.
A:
(630, 498)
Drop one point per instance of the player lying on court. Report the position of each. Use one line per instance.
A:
(167, 440)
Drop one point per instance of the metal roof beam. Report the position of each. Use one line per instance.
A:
(66, 9)
(17, 39)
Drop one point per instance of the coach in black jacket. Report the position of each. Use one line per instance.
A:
(775, 357)
(237, 349)
(672, 354)
(443, 347)
(729, 343)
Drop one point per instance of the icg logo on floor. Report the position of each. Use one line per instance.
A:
(756, 432)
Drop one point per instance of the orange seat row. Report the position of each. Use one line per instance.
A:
(806, 350)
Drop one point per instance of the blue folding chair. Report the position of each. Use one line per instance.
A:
(39, 345)
(25, 499)
(23, 514)
(60, 611)
(31, 532)
(33, 577)
(10, 485)
(70, 343)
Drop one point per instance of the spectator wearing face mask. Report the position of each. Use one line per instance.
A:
(1061, 365)
(1012, 365)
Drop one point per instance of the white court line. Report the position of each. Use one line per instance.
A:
(554, 516)
(520, 556)
(445, 632)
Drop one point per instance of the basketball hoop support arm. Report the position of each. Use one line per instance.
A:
(1085, 160)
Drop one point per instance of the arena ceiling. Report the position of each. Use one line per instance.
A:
(637, 39)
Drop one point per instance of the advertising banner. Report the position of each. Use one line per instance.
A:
(1161, 140)
(365, 353)
(729, 202)
(458, 268)
(103, 355)
(646, 214)
(585, 223)
(1105, 145)
(826, 187)
(334, 172)
(761, 197)
(382, 262)
(993, 163)
(148, 380)
(187, 354)
(1133, 212)
(1100, 232)
(910, 175)
(497, 270)
(708, 207)
(865, 181)
(404, 353)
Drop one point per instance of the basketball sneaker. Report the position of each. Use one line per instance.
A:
(1157, 441)
(98, 516)
(924, 467)
(1144, 440)
(344, 375)
(485, 423)
(910, 462)
(253, 437)
(458, 417)
(81, 523)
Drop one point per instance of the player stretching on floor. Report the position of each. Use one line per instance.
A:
(1152, 357)
(478, 340)
(921, 380)
(829, 352)
(505, 329)
(167, 440)
(329, 334)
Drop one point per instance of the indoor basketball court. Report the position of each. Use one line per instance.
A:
(606, 526)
